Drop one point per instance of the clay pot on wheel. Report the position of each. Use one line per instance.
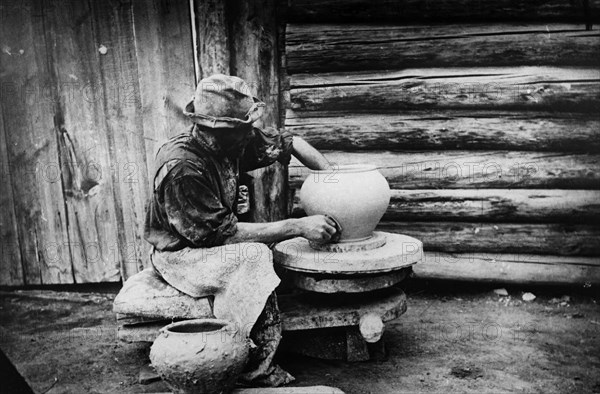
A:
(200, 356)
(355, 195)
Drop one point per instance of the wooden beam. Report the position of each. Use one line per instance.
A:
(471, 169)
(462, 237)
(522, 88)
(28, 110)
(254, 58)
(519, 269)
(212, 37)
(11, 270)
(403, 11)
(497, 205)
(474, 130)
(347, 47)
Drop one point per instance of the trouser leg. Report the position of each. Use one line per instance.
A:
(266, 335)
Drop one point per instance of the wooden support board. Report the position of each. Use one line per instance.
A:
(306, 311)
(331, 284)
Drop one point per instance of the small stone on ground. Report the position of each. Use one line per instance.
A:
(466, 372)
(528, 297)
(290, 390)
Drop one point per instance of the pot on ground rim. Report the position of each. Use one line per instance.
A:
(200, 356)
(355, 195)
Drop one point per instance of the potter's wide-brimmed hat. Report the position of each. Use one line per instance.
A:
(223, 101)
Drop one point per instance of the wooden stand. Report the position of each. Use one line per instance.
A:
(349, 296)
(327, 326)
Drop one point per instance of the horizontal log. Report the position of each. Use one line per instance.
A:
(534, 131)
(397, 11)
(480, 205)
(510, 268)
(521, 88)
(347, 47)
(471, 169)
(462, 237)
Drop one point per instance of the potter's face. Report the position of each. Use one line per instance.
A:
(233, 141)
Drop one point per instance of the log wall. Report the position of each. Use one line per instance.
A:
(483, 116)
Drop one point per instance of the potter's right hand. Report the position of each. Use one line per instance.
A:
(317, 228)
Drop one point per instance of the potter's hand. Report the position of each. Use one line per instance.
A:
(317, 228)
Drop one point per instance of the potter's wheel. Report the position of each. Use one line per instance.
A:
(375, 263)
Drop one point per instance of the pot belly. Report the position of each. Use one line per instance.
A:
(356, 196)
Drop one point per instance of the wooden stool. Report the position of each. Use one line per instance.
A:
(146, 303)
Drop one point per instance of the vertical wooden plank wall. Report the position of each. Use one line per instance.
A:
(72, 57)
(483, 116)
(28, 109)
(89, 90)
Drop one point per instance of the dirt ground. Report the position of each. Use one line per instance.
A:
(450, 340)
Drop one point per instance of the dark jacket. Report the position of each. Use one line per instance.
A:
(195, 187)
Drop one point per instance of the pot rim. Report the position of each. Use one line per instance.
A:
(227, 326)
(346, 168)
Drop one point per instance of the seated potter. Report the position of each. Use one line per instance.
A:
(199, 247)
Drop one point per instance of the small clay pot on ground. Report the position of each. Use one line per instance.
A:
(200, 356)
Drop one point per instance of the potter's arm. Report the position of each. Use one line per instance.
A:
(308, 155)
(316, 228)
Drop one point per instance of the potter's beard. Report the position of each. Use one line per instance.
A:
(235, 151)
